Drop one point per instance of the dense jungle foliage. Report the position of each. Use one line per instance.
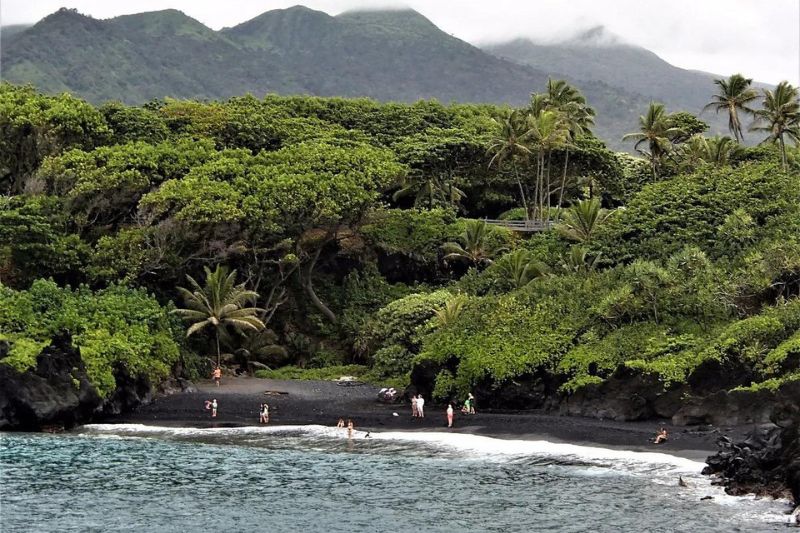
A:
(327, 233)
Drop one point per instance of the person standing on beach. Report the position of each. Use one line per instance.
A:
(265, 413)
(216, 375)
(420, 406)
(214, 408)
(449, 415)
(471, 402)
(414, 410)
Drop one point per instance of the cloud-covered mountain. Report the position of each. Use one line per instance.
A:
(387, 55)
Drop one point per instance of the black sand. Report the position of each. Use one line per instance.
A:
(324, 402)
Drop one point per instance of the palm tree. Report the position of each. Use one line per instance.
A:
(519, 268)
(780, 117)
(721, 150)
(578, 117)
(716, 151)
(474, 247)
(656, 131)
(512, 144)
(578, 260)
(429, 190)
(548, 131)
(220, 303)
(582, 220)
(735, 95)
(452, 309)
(258, 348)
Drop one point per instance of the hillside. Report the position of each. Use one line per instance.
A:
(600, 56)
(387, 55)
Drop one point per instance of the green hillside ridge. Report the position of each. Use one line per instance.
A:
(597, 55)
(392, 55)
(358, 225)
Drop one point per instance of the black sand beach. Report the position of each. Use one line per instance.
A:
(324, 402)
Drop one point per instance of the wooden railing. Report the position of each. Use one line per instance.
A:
(522, 225)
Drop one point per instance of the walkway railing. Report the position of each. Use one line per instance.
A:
(522, 225)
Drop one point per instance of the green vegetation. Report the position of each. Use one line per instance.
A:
(335, 237)
(113, 326)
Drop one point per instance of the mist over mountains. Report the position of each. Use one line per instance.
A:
(387, 55)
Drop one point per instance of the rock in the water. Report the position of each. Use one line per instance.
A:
(767, 462)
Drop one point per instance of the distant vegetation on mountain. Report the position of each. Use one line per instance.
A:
(387, 55)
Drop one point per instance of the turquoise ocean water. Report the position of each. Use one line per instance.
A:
(314, 479)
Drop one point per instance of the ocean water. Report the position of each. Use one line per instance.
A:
(314, 479)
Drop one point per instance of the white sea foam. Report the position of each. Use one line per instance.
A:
(590, 461)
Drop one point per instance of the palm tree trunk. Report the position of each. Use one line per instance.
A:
(783, 152)
(547, 188)
(563, 179)
(521, 192)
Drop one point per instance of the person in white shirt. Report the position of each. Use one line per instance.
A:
(420, 406)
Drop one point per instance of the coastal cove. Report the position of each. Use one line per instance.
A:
(540, 302)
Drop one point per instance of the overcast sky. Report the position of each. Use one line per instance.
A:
(760, 38)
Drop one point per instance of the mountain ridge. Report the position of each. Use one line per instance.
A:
(395, 54)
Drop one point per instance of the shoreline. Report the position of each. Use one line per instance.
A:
(303, 403)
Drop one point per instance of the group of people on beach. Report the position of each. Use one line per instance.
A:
(211, 405)
(418, 408)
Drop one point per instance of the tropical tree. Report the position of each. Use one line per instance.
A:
(256, 349)
(716, 151)
(220, 304)
(429, 191)
(576, 114)
(780, 117)
(734, 95)
(578, 260)
(581, 221)
(512, 143)
(519, 268)
(548, 131)
(657, 131)
(474, 247)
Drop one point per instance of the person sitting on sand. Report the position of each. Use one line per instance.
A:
(214, 408)
(216, 375)
(340, 423)
(661, 436)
